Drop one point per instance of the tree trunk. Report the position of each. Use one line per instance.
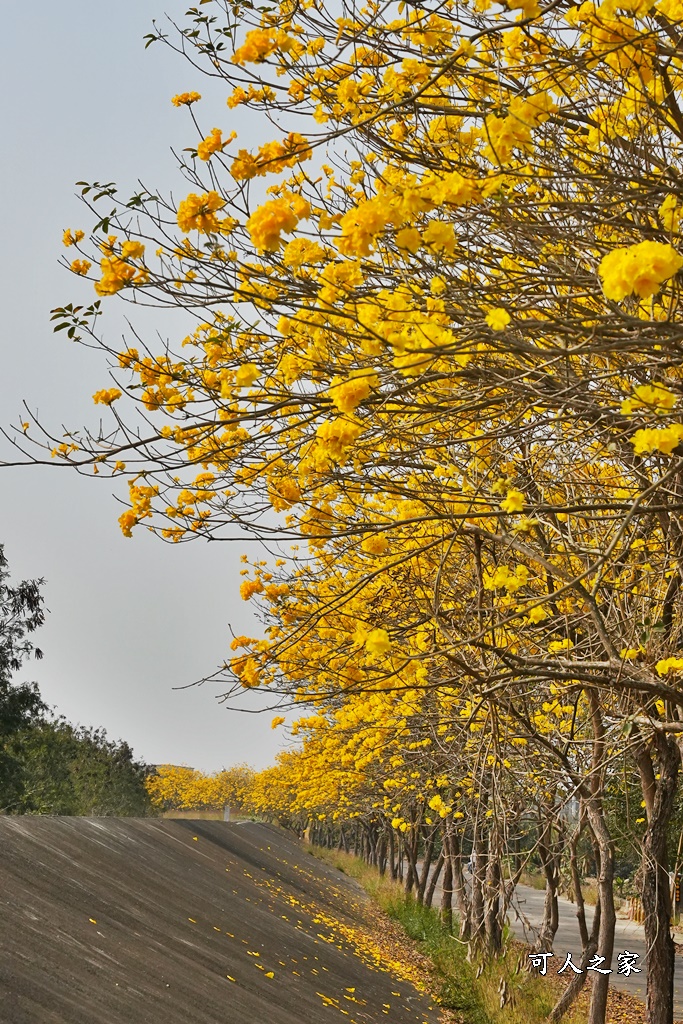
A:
(577, 981)
(493, 925)
(382, 854)
(431, 888)
(462, 903)
(412, 877)
(392, 855)
(426, 865)
(608, 917)
(372, 847)
(477, 925)
(576, 881)
(447, 896)
(589, 943)
(596, 819)
(656, 894)
(551, 915)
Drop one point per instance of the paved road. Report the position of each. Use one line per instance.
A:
(527, 914)
(628, 936)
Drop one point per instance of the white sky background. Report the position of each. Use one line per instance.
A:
(129, 619)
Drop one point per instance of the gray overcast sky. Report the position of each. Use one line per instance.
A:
(129, 619)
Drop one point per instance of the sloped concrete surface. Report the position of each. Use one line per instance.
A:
(143, 921)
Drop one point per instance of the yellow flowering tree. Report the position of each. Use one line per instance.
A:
(440, 347)
(176, 787)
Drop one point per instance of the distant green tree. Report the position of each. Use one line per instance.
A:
(69, 770)
(48, 766)
(21, 612)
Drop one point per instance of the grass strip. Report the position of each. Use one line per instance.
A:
(500, 991)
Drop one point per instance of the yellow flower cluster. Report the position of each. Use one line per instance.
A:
(377, 642)
(199, 212)
(213, 143)
(271, 158)
(436, 804)
(140, 497)
(302, 251)
(284, 493)
(361, 226)
(185, 99)
(251, 587)
(513, 502)
(649, 396)
(247, 671)
(337, 436)
(638, 269)
(116, 274)
(71, 237)
(347, 394)
(657, 439)
(504, 134)
(670, 213)
(246, 375)
(81, 267)
(504, 577)
(132, 250)
(497, 319)
(106, 396)
(667, 665)
(557, 646)
(260, 44)
(268, 222)
(375, 544)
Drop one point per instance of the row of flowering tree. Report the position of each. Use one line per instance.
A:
(434, 355)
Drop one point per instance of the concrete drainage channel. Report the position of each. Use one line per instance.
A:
(143, 921)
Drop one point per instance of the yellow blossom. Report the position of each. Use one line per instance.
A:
(514, 501)
(106, 396)
(269, 221)
(666, 665)
(200, 212)
(132, 250)
(657, 439)
(639, 269)
(246, 375)
(72, 238)
(557, 646)
(497, 319)
(409, 238)
(185, 99)
(213, 143)
(347, 394)
(249, 588)
(377, 642)
(670, 213)
(375, 544)
(654, 396)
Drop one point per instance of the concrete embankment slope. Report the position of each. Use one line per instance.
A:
(131, 921)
